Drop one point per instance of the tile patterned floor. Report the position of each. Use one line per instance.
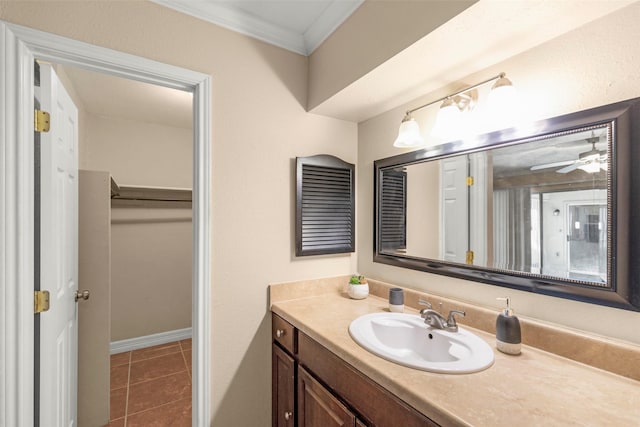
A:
(152, 386)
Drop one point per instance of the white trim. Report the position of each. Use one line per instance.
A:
(16, 236)
(137, 343)
(226, 15)
(18, 48)
(234, 19)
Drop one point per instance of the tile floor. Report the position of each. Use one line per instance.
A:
(152, 386)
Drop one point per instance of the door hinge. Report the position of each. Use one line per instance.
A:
(41, 121)
(40, 301)
(470, 257)
(469, 181)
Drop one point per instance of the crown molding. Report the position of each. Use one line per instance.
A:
(226, 15)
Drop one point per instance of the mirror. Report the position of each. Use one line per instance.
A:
(543, 208)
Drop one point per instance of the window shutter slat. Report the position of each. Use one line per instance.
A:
(393, 224)
(325, 206)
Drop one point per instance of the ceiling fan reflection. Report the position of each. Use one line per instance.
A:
(591, 161)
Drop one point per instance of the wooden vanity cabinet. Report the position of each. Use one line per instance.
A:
(378, 406)
(312, 387)
(283, 385)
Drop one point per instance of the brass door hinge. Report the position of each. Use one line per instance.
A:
(469, 181)
(40, 301)
(41, 121)
(469, 257)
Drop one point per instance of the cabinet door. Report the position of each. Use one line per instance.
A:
(317, 407)
(283, 388)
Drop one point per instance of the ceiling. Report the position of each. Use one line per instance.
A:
(297, 25)
(105, 95)
(517, 160)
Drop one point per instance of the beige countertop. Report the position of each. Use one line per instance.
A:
(533, 389)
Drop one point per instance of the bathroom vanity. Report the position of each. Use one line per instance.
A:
(317, 405)
(321, 377)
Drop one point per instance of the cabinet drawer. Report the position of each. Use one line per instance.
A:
(376, 404)
(284, 333)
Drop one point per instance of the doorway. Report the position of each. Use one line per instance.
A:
(19, 47)
(139, 136)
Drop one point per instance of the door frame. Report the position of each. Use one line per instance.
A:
(19, 46)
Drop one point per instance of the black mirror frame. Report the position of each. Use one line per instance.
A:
(624, 203)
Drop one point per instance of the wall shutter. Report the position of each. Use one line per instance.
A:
(393, 206)
(325, 205)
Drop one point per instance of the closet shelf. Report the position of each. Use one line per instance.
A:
(154, 194)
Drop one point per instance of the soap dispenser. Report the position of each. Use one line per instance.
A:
(508, 337)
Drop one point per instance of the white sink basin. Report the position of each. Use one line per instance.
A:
(405, 339)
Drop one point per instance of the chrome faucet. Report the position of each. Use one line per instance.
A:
(436, 320)
(433, 318)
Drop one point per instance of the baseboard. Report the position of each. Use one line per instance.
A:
(149, 340)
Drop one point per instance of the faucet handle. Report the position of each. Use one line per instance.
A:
(425, 303)
(451, 320)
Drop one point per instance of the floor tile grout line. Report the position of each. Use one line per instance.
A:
(182, 351)
(165, 403)
(126, 405)
(160, 406)
(162, 376)
(186, 365)
(185, 361)
(155, 357)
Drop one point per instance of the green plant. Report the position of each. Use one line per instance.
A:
(357, 280)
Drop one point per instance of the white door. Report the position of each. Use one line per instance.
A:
(59, 242)
(455, 209)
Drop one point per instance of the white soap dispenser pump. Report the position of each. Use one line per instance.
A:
(508, 336)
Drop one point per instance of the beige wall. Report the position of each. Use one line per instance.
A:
(94, 274)
(259, 126)
(591, 66)
(137, 153)
(423, 210)
(151, 246)
(151, 270)
(375, 32)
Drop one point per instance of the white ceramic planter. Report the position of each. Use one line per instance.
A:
(360, 291)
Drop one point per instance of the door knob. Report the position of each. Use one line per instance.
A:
(288, 415)
(82, 295)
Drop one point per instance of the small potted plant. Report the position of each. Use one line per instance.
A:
(358, 287)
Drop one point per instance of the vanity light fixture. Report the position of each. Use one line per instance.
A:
(451, 111)
(409, 133)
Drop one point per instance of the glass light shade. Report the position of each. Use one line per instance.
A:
(502, 105)
(448, 121)
(409, 135)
